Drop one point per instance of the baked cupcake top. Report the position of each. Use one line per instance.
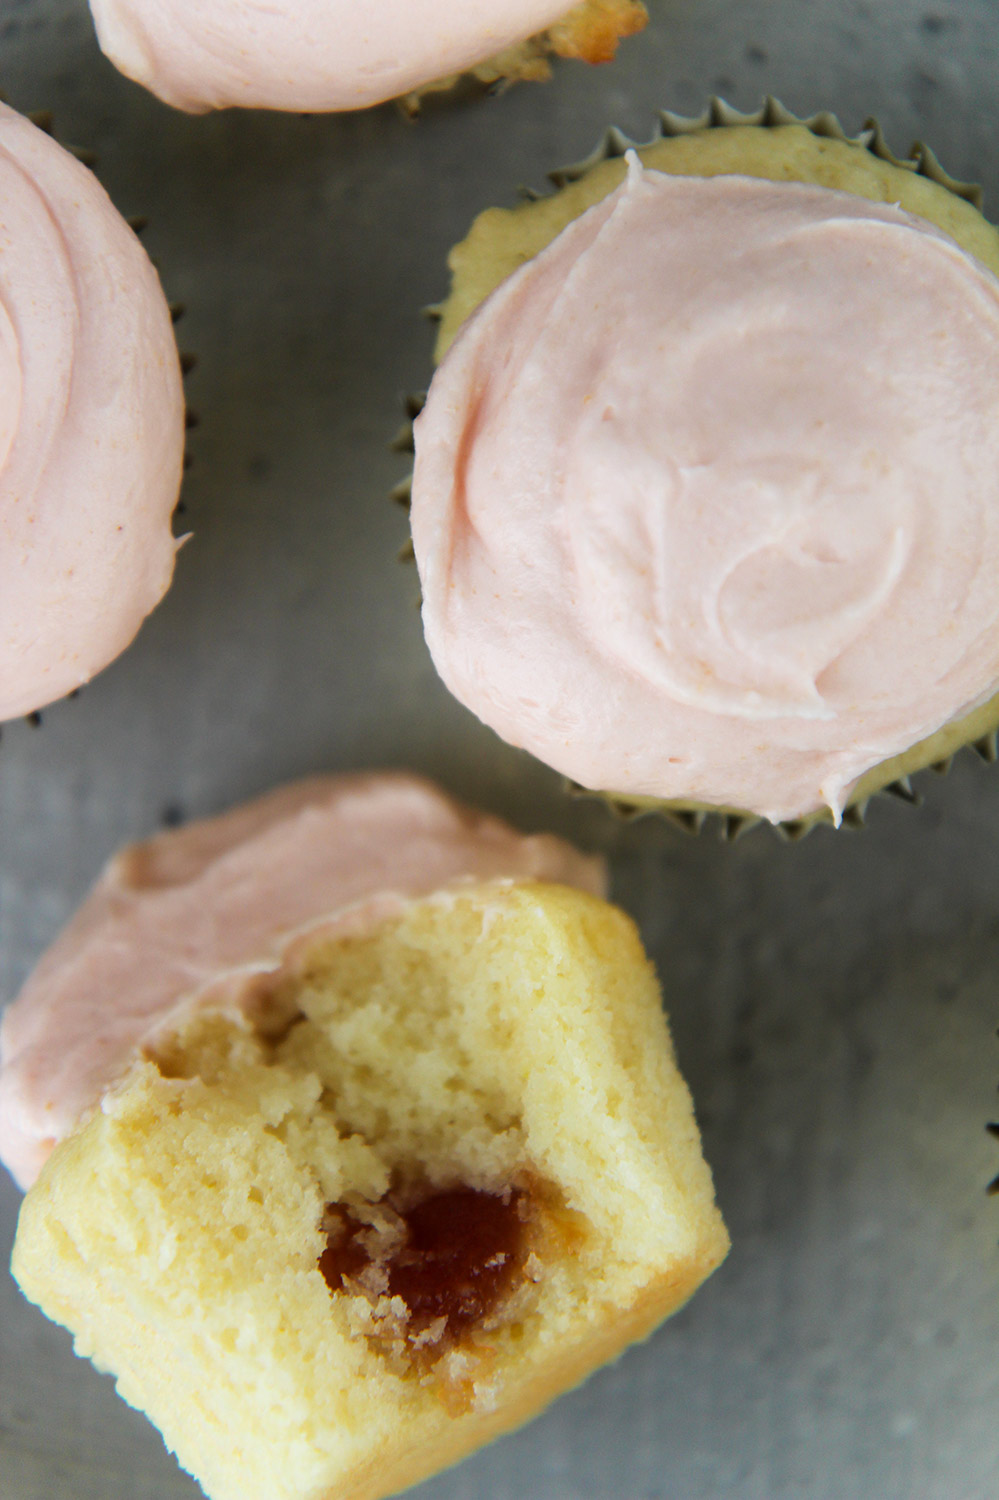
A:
(195, 915)
(91, 424)
(706, 496)
(330, 54)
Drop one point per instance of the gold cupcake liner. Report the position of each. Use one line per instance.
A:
(772, 113)
(993, 1129)
(404, 442)
(921, 161)
(729, 826)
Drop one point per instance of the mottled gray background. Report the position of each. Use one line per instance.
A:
(834, 1002)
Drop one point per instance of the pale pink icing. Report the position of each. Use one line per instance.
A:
(706, 500)
(91, 424)
(306, 54)
(193, 915)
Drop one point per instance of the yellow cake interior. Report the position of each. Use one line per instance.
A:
(505, 1048)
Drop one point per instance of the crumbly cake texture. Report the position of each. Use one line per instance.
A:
(589, 32)
(500, 240)
(220, 899)
(507, 1042)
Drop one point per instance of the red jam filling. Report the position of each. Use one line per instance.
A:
(451, 1256)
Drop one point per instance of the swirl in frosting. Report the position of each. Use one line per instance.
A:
(91, 424)
(706, 498)
(306, 54)
(199, 915)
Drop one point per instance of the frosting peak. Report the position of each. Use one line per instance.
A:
(703, 509)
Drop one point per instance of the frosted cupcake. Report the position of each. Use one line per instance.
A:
(91, 424)
(706, 494)
(364, 1141)
(338, 54)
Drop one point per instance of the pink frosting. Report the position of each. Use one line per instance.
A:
(193, 916)
(706, 500)
(306, 54)
(91, 424)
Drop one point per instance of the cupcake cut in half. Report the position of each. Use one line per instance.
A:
(351, 1209)
(706, 494)
(335, 55)
(91, 424)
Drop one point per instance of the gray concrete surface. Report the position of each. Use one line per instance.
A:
(834, 1002)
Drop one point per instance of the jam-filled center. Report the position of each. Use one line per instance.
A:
(450, 1258)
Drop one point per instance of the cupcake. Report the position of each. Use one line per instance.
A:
(91, 424)
(331, 55)
(361, 1173)
(706, 492)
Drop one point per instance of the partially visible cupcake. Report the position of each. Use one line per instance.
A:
(706, 495)
(376, 1144)
(340, 54)
(91, 424)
